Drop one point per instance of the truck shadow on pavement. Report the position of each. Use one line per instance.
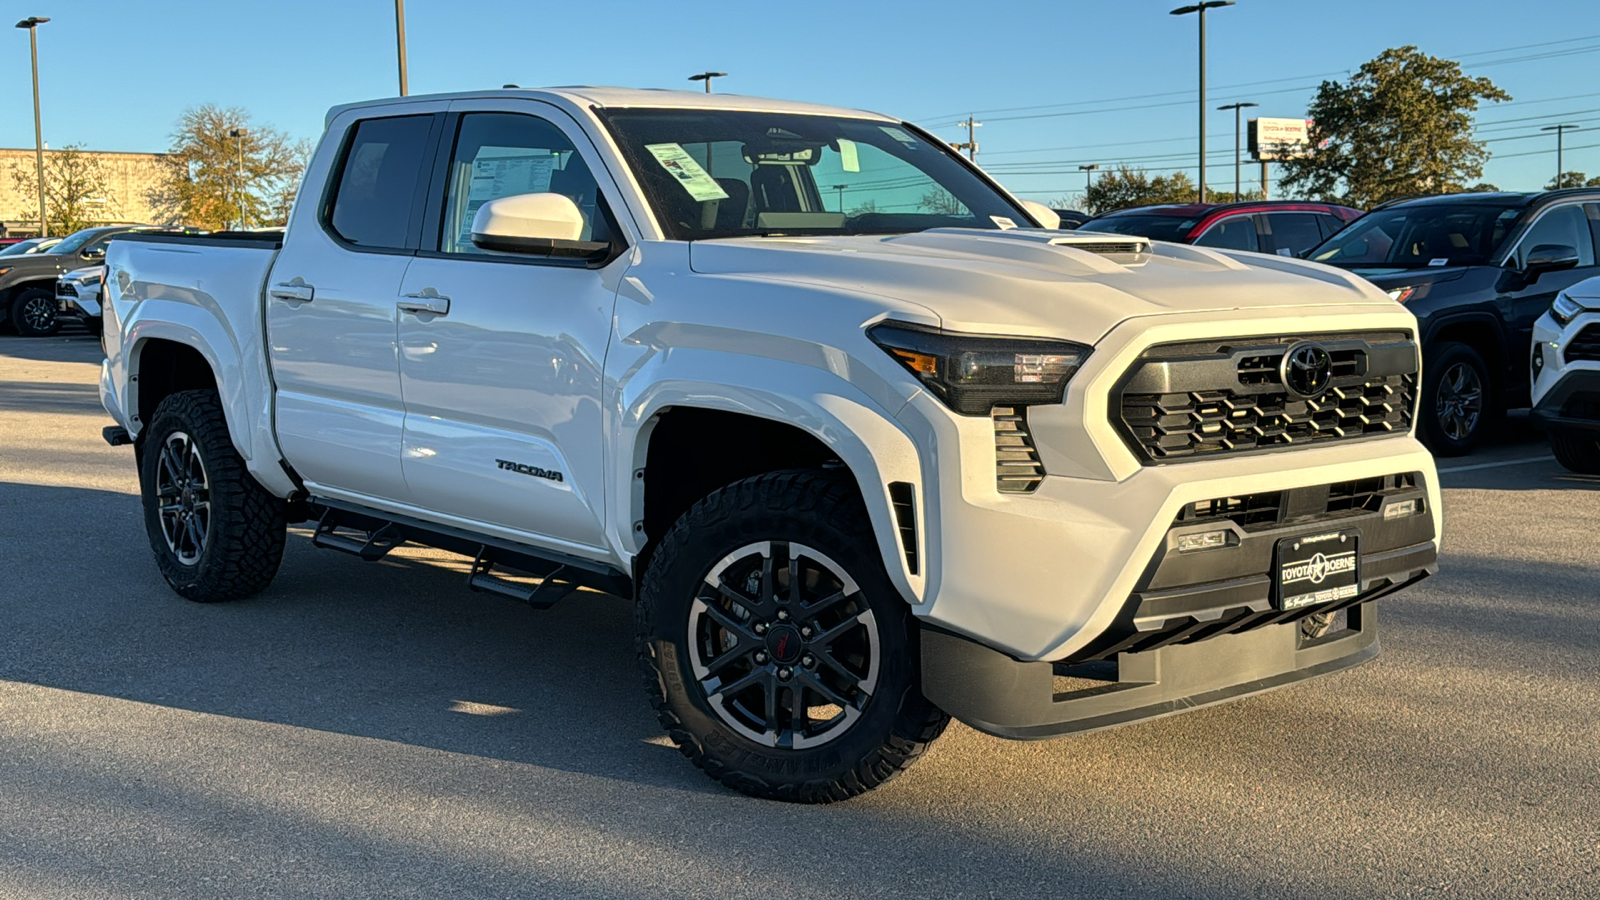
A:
(52, 397)
(402, 653)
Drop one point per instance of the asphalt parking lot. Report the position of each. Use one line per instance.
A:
(367, 730)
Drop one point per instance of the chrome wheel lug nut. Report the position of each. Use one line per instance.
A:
(783, 615)
(805, 632)
(761, 628)
(784, 673)
(808, 661)
(761, 656)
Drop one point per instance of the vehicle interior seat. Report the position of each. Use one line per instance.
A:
(775, 189)
(733, 211)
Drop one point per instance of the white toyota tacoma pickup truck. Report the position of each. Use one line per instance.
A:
(867, 446)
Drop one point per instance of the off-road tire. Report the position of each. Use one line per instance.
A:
(24, 323)
(819, 510)
(1578, 453)
(244, 535)
(1442, 363)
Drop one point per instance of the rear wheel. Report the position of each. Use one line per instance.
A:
(216, 533)
(1578, 453)
(1456, 400)
(34, 313)
(778, 655)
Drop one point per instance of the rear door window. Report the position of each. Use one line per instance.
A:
(1234, 233)
(375, 202)
(1293, 233)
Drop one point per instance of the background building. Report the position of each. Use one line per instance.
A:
(129, 178)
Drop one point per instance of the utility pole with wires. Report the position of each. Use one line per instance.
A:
(1560, 131)
(971, 143)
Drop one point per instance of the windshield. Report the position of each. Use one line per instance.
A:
(1157, 228)
(74, 241)
(21, 247)
(716, 174)
(1414, 237)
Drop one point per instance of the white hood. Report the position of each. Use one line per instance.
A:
(1036, 282)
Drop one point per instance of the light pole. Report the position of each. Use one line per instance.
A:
(239, 134)
(1088, 175)
(400, 41)
(32, 23)
(1560, 131)
(1236, 107)
(840, 188)
(1201, 9)
(706, 77)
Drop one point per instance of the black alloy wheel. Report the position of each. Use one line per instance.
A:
(777, 653)
(34, 313)
(183, 498)
(1457, 399)
(782, 644)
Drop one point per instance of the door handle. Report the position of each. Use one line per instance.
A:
(429, 301)
(294, 292)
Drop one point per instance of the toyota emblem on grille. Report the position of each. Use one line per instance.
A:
(1306, 369)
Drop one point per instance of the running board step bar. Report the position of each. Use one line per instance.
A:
(551, 589)
(375, 546)
(371, 534)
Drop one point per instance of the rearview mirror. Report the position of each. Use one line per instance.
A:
(1044, 215)
(534, 224)
(1549, 258)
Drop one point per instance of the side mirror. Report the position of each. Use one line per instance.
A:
(535, 225)
(1044, 215)
(93, 253)
(1549, 258)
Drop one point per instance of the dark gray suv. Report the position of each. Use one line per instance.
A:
(28, 281)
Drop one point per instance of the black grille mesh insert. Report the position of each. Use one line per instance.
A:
(1585, 345)
(1214, 399)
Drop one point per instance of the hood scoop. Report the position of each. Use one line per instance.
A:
(1035, 246)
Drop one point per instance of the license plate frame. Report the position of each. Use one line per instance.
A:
(1318, 568)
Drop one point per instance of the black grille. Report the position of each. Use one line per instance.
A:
(1196, 400)
(64, 289)
(1017, 466)
(1273, 508)
(1585, 346)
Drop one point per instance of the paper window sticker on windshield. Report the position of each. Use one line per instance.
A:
(680, 165)
(1004, 223)
(1438, 262)
(849, 159)
(899, 135)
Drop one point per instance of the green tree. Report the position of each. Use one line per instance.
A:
(1401, 125)
(205, 181)
(1484, 187)
(1126, 186)
(77, 191)
(1571, 180)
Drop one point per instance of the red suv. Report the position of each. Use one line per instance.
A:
(1284, 227)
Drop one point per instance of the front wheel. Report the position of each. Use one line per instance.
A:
(216, 533)
(1578, 453)
(777, 654)
(1456, 400)
(34, 312)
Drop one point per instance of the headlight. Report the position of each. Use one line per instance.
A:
(1401, 294)
(1564, 310)
(972, 373)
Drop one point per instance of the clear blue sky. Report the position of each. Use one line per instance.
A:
(115, 74)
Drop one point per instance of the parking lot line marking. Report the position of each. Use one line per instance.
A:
(1496, 465)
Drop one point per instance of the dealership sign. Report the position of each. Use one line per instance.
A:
(1279, 138)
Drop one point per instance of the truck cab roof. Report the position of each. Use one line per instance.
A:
(583, 96)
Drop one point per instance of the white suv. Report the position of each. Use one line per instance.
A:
(867, 445)
(1566, 376)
